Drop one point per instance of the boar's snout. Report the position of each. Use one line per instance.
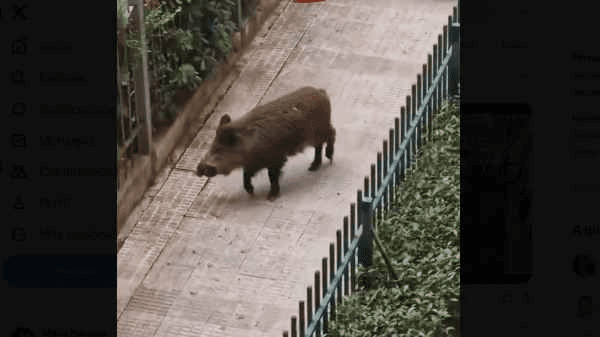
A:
(206, 170)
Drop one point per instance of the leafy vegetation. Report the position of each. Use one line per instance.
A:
(186, 40)
(421, 236)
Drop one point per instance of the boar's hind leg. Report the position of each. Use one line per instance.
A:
(274, 173)
(330, 142)
(317, 162)
(248, 180)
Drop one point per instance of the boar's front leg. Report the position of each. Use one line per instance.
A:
(248, 174)
(317, 162)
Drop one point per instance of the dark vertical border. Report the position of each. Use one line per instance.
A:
(66, 290)
(491, 91)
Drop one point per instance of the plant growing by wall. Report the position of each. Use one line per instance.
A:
(223, 25)
(186, 40)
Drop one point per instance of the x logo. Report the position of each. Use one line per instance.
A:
(19, 46)
(18, 12)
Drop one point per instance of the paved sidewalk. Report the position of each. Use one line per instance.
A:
(207, 259)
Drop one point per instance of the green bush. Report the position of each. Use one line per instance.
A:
(186, 41)
(421, 237)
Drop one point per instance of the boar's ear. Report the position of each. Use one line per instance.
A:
(228, 137)
(225, 119)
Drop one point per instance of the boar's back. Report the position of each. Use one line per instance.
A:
(283, 127)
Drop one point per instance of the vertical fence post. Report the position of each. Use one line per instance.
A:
(324, 276)
(445, 52)
(403, 126)
(143, 88)
(397, 131)
(431, 103)
(436, 69)
(377, 184)
(418, 103)
(454, 64)
(440, 59)
(121, 98)
(455, 12)
(318, 299)
(345, 241)
(239, 18)
(391, 157)
(365, 245)
(425, 104)
(409, 119)
(301, 323)
(373, 190)
(309, 307)
(294, 327)
(413, 113)
(385, 196)
(331, 277)
(352, 235)
(338, 244)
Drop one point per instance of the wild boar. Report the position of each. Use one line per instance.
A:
(267, 135)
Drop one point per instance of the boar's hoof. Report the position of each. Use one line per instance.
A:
(205, 170)
(210, 171)
(272, 196)
(314, 166)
